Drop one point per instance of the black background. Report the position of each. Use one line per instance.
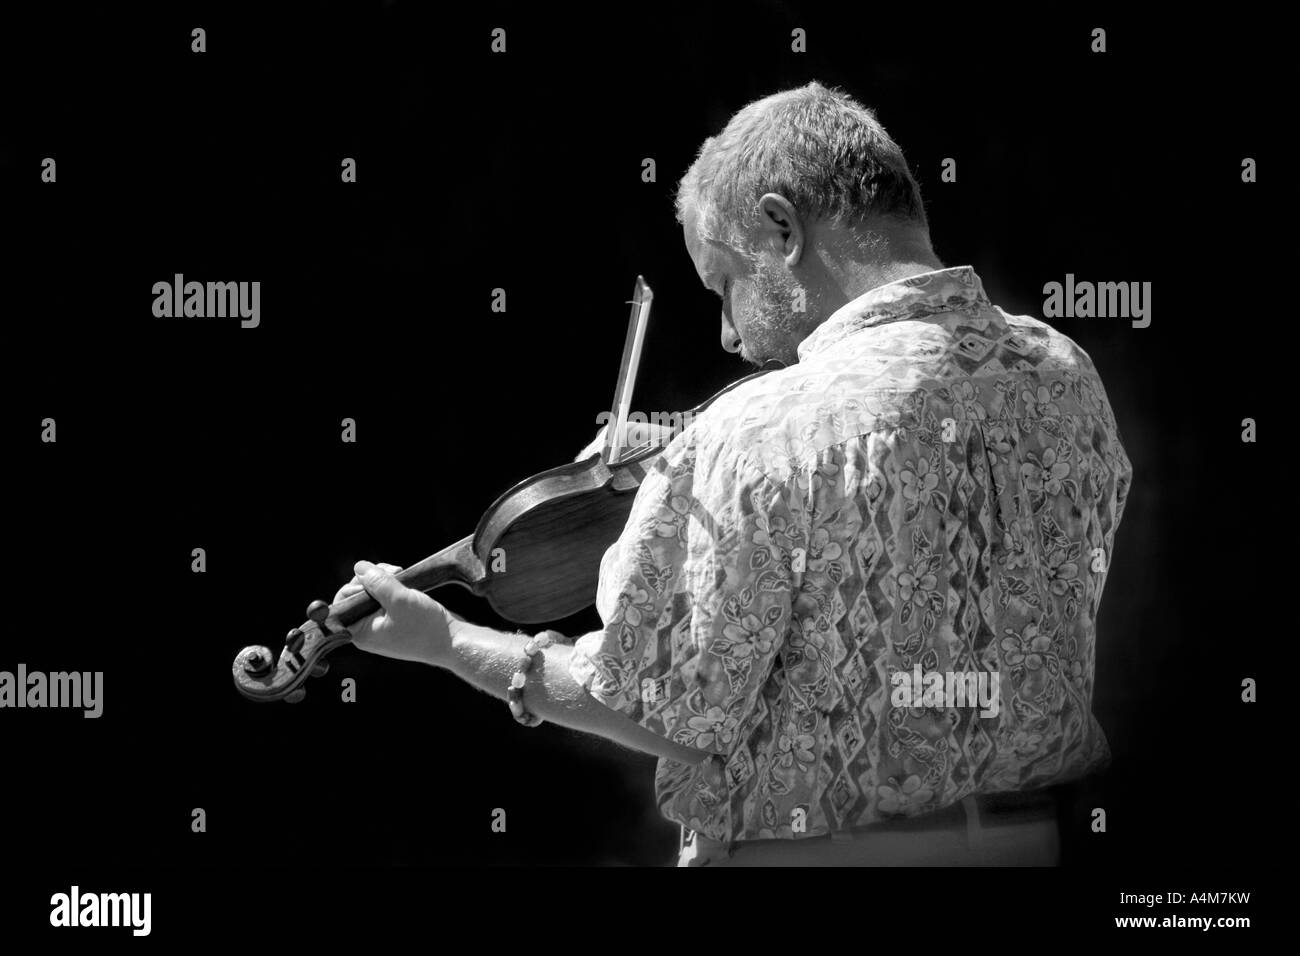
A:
(523, 171)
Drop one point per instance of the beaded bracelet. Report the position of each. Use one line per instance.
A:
(515, 692)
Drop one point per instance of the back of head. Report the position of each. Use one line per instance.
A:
(816, 146)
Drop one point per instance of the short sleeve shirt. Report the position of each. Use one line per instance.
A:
(933, 489)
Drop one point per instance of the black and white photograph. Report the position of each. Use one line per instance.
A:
(456, 452)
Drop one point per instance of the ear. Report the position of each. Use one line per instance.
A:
(780, 227)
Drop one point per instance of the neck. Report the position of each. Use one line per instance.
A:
(859, 261)
(871, 275)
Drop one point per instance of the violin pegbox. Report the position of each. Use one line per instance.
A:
(301, 657)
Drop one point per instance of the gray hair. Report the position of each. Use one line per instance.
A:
(818, 147)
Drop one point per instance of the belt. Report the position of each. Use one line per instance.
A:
(985, 810)
(972, 814)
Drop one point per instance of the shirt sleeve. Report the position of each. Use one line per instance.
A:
(695, 599)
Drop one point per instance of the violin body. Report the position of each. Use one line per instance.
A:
(552, 531)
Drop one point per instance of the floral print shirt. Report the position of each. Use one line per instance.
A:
(936, 484)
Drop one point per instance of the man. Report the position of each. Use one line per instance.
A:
(853, 609)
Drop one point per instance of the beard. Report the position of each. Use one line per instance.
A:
(774, 329)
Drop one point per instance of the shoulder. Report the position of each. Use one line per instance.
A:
(718, 456)
(1041, 343)
(775, 427)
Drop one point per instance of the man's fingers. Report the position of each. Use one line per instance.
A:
(595, 445)
(634, 434)
(349, 589)
(354, 586)
(378, 580)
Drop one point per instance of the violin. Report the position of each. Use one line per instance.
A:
(555, 527)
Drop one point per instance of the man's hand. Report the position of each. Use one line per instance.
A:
(411, 627)
(637, 433)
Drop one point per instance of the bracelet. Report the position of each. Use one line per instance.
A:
(515, 692)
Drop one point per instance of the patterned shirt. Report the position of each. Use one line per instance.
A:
(934, 487)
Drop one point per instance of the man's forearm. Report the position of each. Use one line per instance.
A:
(488, 659)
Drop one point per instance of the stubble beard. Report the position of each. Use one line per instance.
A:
(774, 329)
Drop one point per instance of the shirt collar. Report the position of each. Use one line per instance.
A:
(947, 289)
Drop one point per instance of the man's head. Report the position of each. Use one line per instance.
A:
(803, 200)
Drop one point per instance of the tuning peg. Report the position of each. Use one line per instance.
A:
(256, 664)
(317, 612)
(294, 640)
(321, 669)
(295, 695)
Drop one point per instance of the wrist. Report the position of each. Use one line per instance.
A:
(448, 652)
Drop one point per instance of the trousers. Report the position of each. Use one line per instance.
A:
(999, 830)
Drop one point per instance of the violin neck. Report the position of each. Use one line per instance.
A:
(457, 564)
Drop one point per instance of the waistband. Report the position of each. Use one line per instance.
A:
(986, 811)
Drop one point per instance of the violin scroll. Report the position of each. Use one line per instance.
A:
(302, 656)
